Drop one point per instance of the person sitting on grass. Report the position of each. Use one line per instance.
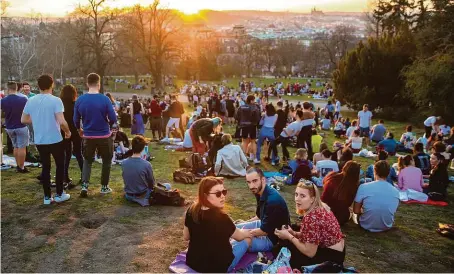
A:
(323, 167)
(230, 160)
(389, 144)
(351, 128)
(438, 179)
(392, 176)
(410, 177)
(300, 159)
(408, 139)
(440, 147)
(347, 123)
(339, 190)
(339, 128)
(316, 140)
(421, 159)
(376, 202)
(320, 238)
(271, 214)
(318, 156)
(208, 230)
(138, 174)
(378, 132)
(355, 142)
(326, 123)
(346, 155)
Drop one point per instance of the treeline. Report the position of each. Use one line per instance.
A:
(405, 70)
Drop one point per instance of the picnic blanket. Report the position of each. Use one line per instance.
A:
(270, 174)
(11, 161)
(365, 153)
(428, 202)
(179, 264)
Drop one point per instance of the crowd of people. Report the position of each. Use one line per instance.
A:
(331, 189)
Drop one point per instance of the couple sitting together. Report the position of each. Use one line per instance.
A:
(216, 244)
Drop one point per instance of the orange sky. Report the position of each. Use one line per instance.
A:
(61, 7)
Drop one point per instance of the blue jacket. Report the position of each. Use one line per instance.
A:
(96, 112)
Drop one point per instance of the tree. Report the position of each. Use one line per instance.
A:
(267, 51)
(99, 36)
(338, 43)
(250, 51)
(4, 6)
(156, 33)
(394, 15)
(289, 52)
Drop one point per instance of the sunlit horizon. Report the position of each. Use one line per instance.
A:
(52, 8)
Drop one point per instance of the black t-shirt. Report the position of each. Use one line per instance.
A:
(281, 119)
(121, 137)
(209, 249)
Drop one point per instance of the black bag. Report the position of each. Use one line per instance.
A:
(286, 170)
(162, 196)
(196, 164)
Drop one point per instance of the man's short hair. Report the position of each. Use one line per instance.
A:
(93, 79)
(12, 85)
(257, 170)
(45, 82)
(381, 169)
(381, 121)
(25, 84)
(365, 106)
(138, 144)
(307, 105)
(280, 104)
(226, 139)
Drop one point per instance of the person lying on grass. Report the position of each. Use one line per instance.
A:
(208, 230)
(320, 238)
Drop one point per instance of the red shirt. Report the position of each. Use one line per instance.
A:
(339, 207)
(320, 227)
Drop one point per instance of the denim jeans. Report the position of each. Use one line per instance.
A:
(105, 149)
(259, 244)
(57, 151)
(143, 200)
(265, 133)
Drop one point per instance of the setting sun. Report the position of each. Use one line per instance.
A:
(189, 10)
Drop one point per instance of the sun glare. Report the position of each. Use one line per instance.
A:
(188, 10)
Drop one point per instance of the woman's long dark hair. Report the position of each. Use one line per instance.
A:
(350, 181)
(205, 186)
(68, 94)
(270, 110)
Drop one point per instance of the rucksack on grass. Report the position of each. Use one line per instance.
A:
(184, 176)
(162, 196)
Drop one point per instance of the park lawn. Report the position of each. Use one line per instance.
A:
(108, 234)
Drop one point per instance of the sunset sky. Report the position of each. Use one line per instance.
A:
(61, 7)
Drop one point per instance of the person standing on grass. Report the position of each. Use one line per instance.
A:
(26, 91)
(97, 115)
(305, 135)
(338, 109)
(13, 105)
(174, 111)
(248, 117)
(268, 122)
(364, 122)
(73, 145)
(45, 112)
(136, 108)
(376, 202)
(155, 117)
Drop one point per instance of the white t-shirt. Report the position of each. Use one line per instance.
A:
(339, 126)
(42, 109)
(338, 106)
(326, 123)
(364, 118)
(357, 142)
(430, 121)
(444, 129)
(350, 131)
(199, 109)
(326, 166)
(195, 98)
(292, 129)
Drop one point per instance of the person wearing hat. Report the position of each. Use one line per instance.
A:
(200, 132)
(137, 174)
(136, 111)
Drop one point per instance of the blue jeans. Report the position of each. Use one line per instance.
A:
(259, 244)
(143, 201)
(265, 133)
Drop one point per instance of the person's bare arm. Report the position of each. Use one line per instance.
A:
(357, 207)
(186, 235)
(26, 119)
(63, 124)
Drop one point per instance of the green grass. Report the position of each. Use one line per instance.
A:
(411, 246)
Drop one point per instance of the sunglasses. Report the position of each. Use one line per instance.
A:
(219, 193)
(306, 182)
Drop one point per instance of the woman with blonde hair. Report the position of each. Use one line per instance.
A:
(320, 238)
(208, 229)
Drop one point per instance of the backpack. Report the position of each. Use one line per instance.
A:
(286, 170)
(250, 115)
(183, 175)
(196, 164)
(162, 196)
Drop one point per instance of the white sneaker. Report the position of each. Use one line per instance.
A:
(48, 201)
(105, 190)
(63, 197)
(257, 162)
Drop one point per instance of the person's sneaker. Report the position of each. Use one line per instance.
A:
(22, 170)
(274, 163)
(84, 190)
(268, 159)
(106, 189)
(257, 162)
(61, 198)
(48, 201)
(69, 185)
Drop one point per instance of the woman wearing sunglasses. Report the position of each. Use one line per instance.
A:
(208, 229)
(320, 238)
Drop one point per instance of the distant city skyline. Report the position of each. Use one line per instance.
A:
(62, 7)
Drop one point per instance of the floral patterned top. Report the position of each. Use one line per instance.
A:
(320, 227)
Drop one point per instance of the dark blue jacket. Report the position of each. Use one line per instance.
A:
(272, 211)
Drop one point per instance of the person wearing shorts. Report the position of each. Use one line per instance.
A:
(248, 117)
(13, 106)
(174, 111)
(364, 122)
